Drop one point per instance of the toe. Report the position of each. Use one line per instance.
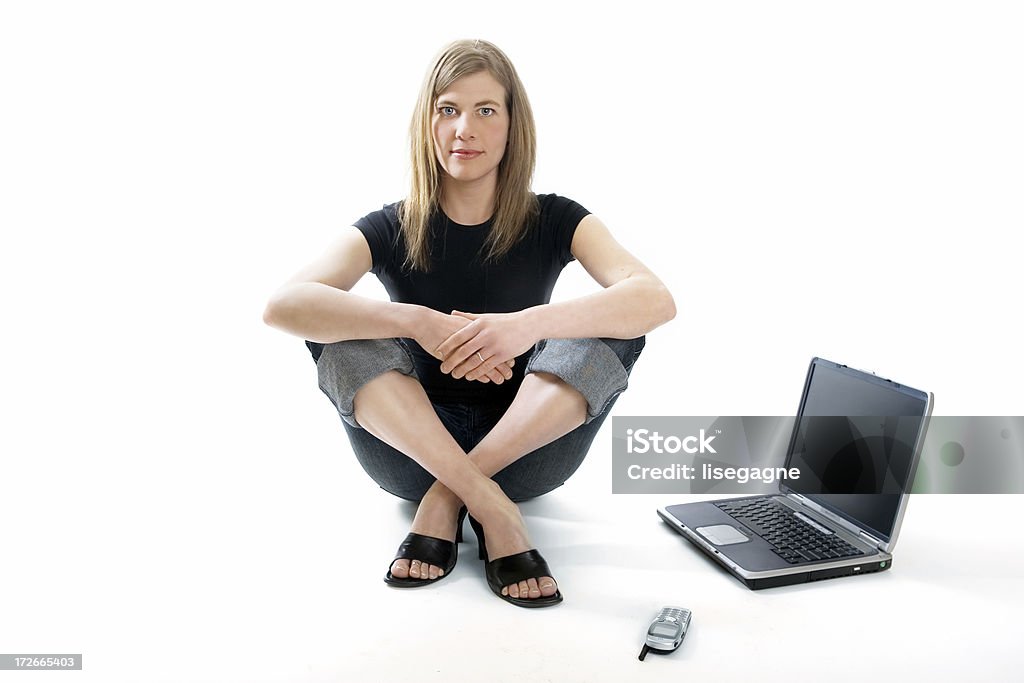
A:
(433, 571)
(400, 569)
(533, 589)
(524, 589)
(414, 569)
(547, 586)
(513, 590)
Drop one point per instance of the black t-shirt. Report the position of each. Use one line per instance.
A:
(459, 279)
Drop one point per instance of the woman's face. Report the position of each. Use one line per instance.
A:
(470, 126)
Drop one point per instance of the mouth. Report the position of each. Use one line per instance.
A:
(466, 154)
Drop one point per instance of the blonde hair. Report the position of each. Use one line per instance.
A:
(515, 206)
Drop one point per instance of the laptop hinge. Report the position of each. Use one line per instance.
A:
(839, 521)
(871, 540)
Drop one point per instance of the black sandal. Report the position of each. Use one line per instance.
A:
(435, 551)
(505, 571)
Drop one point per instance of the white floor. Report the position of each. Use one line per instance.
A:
(262, 561)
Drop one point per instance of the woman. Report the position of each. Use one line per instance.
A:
(469, 390)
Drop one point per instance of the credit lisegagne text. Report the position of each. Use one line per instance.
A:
(710, 472)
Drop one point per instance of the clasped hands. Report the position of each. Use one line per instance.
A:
(479, 347)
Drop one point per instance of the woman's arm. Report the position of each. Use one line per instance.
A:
(315, 304)
(633, 302)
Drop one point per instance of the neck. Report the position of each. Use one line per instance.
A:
(469, 203)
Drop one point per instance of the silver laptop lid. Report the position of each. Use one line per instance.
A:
(857, 442)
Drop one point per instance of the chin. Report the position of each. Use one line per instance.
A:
(463, 175)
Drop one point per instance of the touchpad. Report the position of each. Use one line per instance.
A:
(722, 534)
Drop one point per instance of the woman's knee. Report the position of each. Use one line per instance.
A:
(377, 396)
(547, 385)
(597, 368)
(627, 350)
(345, 367)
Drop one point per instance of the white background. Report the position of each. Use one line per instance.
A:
(179, 500)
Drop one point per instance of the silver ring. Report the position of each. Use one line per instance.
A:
(479, 356)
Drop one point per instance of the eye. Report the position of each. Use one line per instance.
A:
(447, 111)
(486, 111)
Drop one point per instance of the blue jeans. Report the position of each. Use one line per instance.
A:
(597, 368)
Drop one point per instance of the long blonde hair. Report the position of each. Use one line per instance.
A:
(515, 206)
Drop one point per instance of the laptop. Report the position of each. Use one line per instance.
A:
(856, 441)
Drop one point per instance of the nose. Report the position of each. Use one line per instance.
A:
(464, 127)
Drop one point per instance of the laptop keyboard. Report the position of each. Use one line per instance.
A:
(791, 538)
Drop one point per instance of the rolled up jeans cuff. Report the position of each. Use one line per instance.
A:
(588, 365)
(344, 367)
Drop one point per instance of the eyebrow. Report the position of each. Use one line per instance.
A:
(449, 103)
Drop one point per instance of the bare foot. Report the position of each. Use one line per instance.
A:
(506, 535)
(436, 516)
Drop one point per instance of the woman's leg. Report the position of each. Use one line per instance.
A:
(528, 463)
(371, 386)
(394, 408)
(543, 436)
(342, 369)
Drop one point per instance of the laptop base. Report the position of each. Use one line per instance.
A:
(871, 565)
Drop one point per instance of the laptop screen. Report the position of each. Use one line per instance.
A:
(854, 444)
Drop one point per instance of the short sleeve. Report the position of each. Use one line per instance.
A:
(559, 218)
(382, 232)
